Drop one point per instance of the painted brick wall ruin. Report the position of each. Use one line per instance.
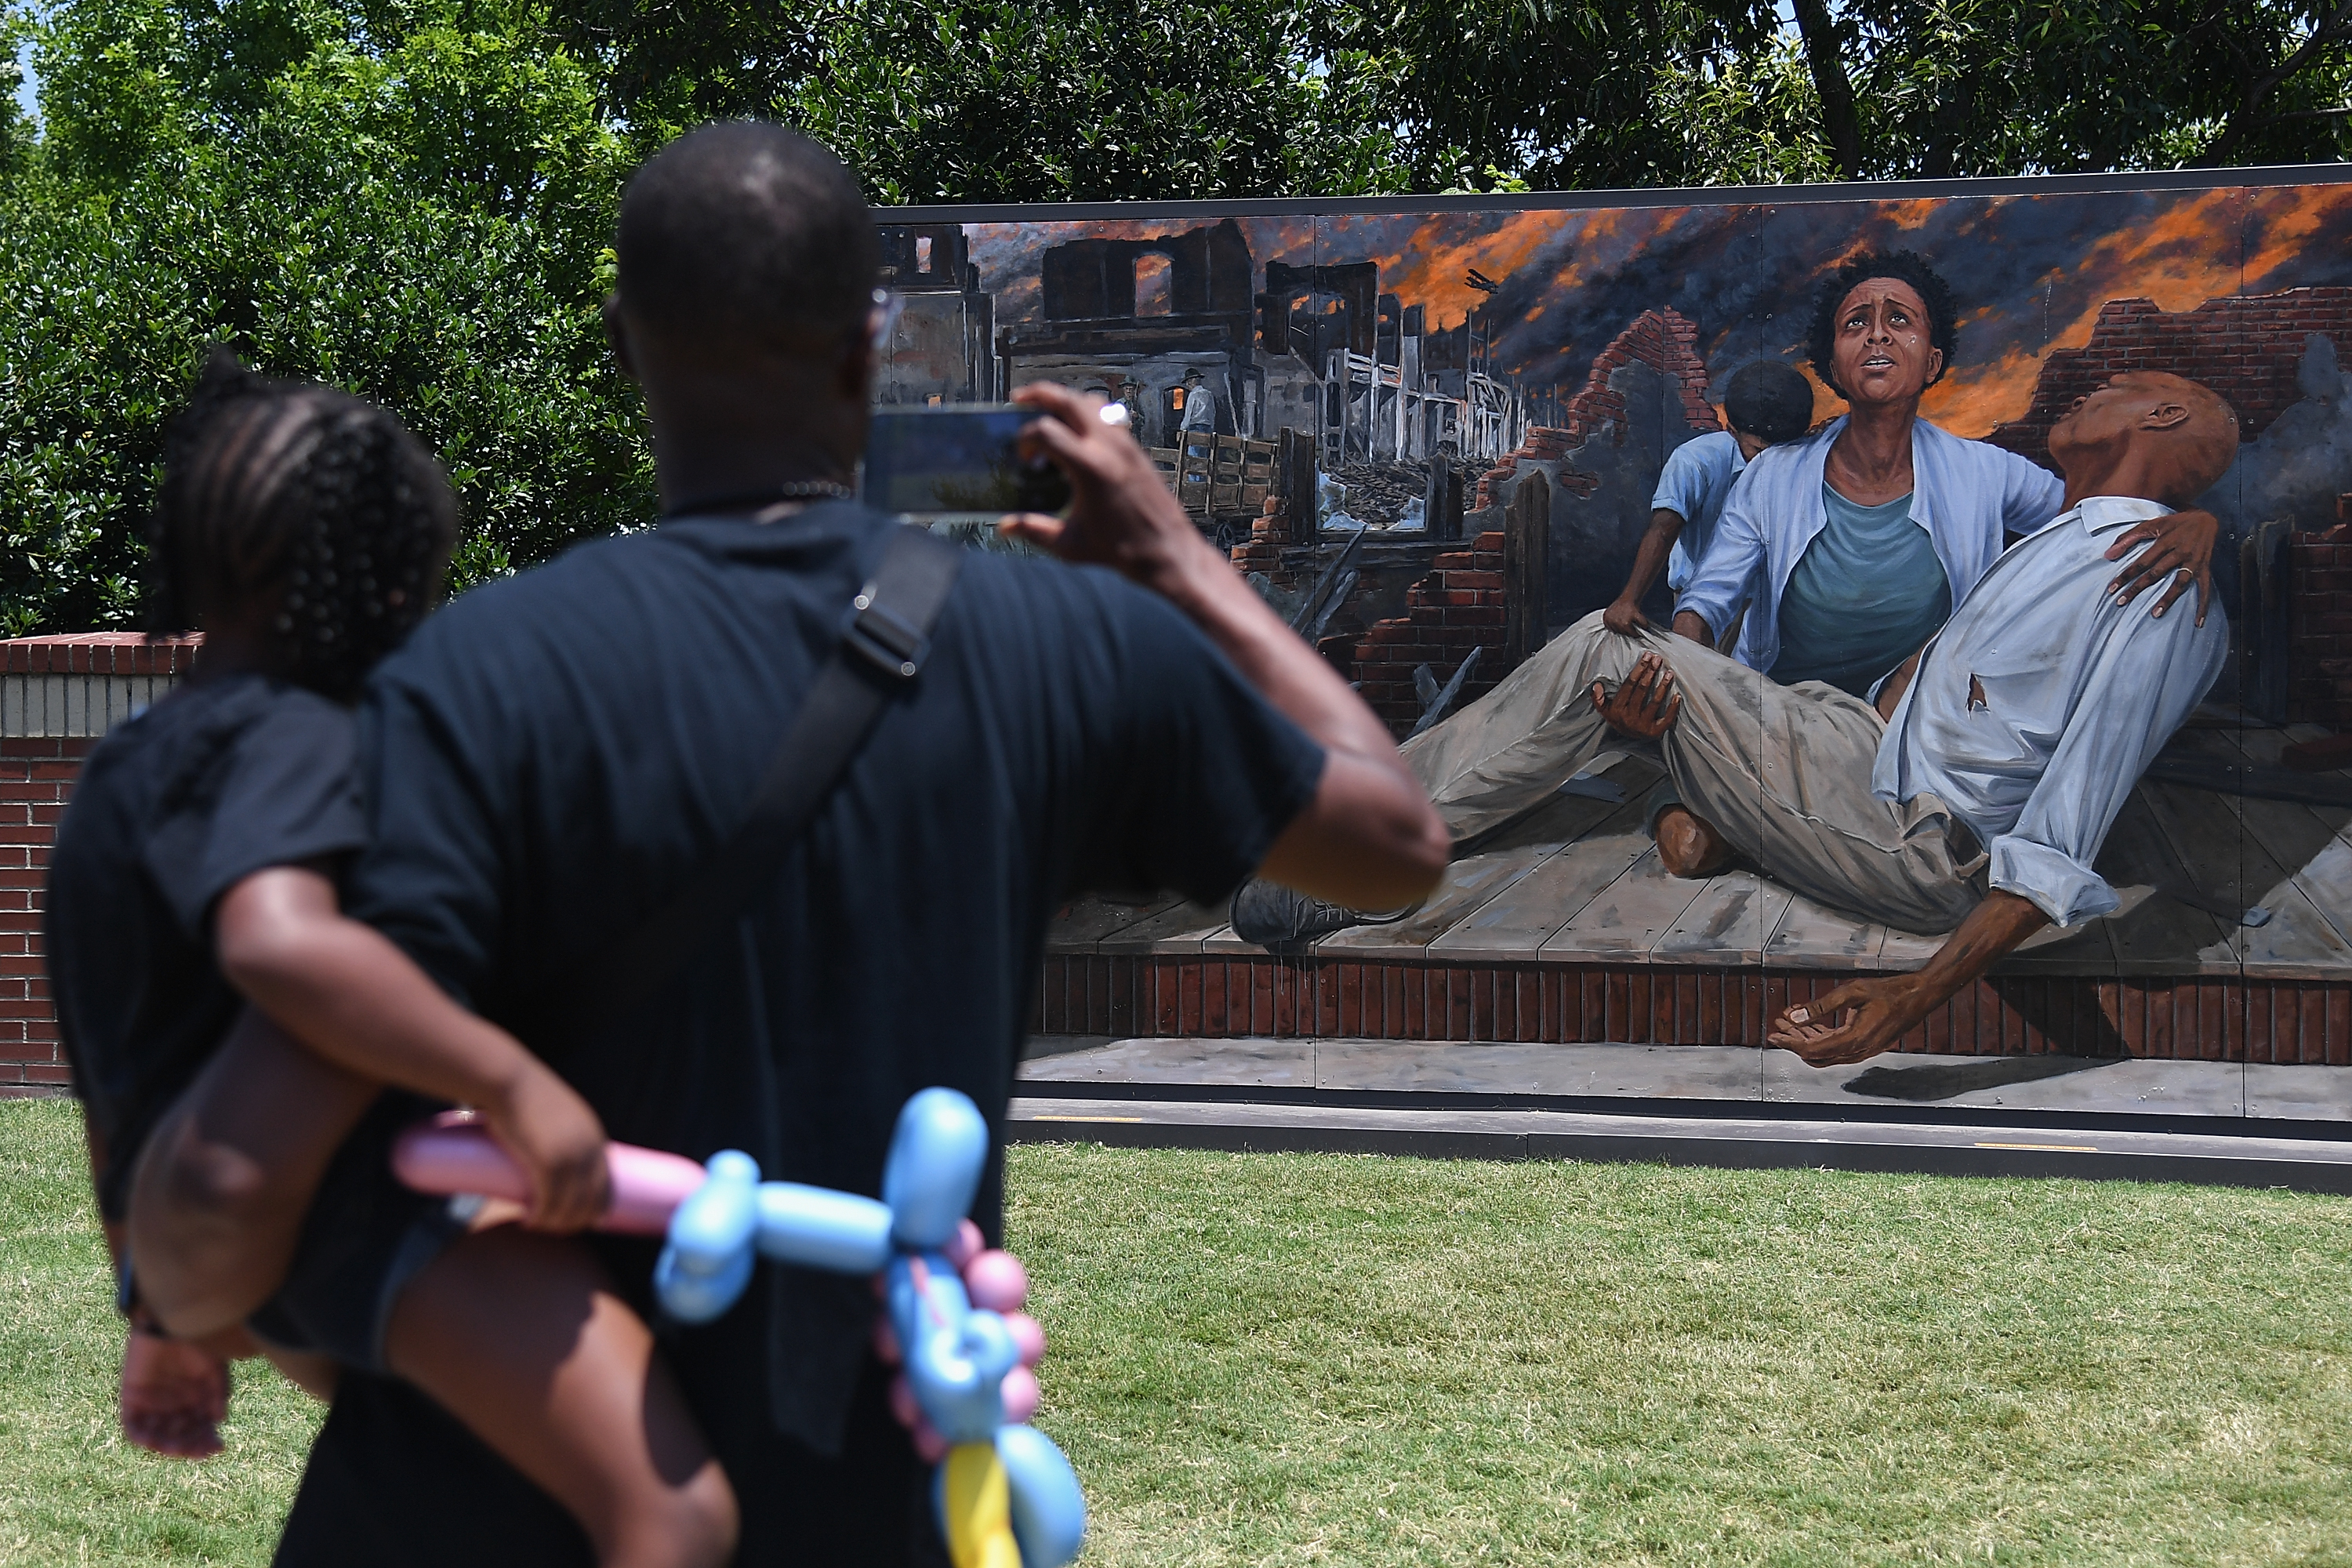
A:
(2243, 347)
(1459, 606)
(1665, 341)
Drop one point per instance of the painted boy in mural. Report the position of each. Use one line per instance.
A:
(1976, 788)
(1765, 404)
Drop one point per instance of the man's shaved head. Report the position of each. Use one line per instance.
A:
(745, 233)
(2172, 436)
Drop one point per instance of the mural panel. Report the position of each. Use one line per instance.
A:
(1434, 438)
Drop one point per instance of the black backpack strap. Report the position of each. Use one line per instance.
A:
(885, 638)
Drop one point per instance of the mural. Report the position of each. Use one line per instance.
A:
(1434, 438)
(1592, 343)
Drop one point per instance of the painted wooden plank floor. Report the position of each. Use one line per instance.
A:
(1578, 882)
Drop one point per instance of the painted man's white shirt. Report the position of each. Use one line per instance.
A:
(2073, 696)
(1968, 495)
(1694, 485)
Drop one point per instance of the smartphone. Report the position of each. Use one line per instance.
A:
(957, 461)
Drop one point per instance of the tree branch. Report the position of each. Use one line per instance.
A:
(2331, 29)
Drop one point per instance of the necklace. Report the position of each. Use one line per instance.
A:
(764, 499)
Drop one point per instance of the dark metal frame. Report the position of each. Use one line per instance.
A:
(1584, 201)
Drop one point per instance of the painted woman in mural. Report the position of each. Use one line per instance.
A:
(1970, 794)
(1869, 532)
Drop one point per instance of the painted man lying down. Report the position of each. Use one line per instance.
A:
(1973, 794)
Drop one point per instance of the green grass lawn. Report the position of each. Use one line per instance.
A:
(1290, 1360)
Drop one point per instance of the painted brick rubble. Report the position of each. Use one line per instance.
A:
(2320, 625)
(1665, 341)
(1457, 607)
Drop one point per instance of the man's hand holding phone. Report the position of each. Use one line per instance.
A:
(1122, 513)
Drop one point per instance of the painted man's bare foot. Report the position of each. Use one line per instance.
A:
(1688, 845)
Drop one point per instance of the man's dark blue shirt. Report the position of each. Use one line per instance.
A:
(552, 756)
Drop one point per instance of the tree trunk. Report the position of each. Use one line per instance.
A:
(1839, 120)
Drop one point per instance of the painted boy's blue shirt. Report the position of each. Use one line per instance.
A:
(1967, 496)
(1697, 481)
(1867, 595)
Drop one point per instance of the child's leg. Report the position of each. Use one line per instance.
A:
(224, 1180)
(521, 1337)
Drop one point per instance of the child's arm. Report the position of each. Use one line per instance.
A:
(350, 995)
(1625, 615)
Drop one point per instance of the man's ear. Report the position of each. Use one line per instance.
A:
(617, 333)
(1935, 366)
(2164, 416)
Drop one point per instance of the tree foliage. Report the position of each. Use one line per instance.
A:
(414, 198)
(1713, 91)
(421, 216)
(1016, 99)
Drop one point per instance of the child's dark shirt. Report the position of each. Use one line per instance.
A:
(221, 779)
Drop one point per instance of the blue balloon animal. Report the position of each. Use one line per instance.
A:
(1006, 1496)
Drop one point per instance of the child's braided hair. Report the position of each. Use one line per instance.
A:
(312, 498)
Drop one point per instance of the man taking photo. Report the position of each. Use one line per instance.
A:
(555, 756)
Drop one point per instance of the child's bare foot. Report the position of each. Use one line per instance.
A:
(175, 1396)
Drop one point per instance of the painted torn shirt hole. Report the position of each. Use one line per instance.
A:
(1976, 694)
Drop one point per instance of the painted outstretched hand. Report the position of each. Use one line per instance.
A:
(1859, 1019)
(1645, 706)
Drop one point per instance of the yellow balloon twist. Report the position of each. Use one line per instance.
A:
(979, 1510)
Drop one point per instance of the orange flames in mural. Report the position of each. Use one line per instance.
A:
(1573, 279)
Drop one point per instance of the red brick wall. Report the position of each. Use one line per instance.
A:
(2245, 347)
(100, 653)
(2320, 625)
(1263, 552)
(1458, 606)
(35, 777)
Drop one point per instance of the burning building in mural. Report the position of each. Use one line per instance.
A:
(943, 348)
(1201, 342)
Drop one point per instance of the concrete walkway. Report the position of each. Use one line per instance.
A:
(2039, 1115)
